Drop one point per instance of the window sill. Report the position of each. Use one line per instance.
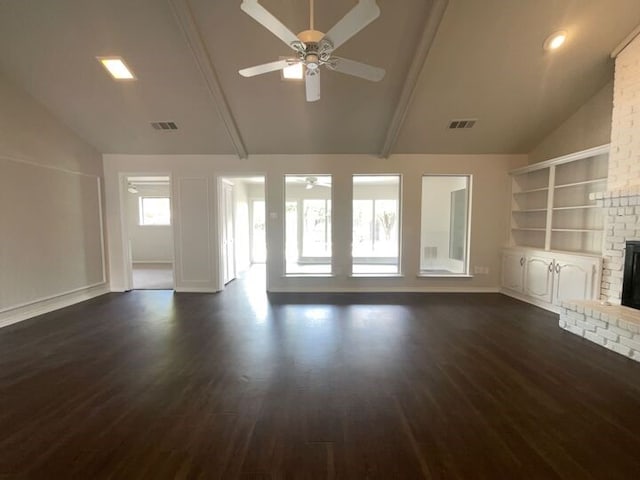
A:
(444, 275)
(376, 275)
(308, 275)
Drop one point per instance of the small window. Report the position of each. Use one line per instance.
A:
(444, 236)
(155, 211)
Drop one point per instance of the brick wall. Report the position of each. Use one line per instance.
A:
(622, 200)
(613, 326)
(624, 160)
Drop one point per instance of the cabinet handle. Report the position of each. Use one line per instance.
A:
(521, 261)
(557, 268)
(551, 267)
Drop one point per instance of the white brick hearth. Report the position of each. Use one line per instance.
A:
(613, 326)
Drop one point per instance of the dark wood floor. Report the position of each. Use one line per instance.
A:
(158, 385)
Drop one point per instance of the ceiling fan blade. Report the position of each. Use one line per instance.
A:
(265, 68)
(365, 12)
(312, 84)
(271, 23)
(357, 69)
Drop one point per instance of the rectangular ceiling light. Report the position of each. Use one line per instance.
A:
(292, 72)
(117, 68)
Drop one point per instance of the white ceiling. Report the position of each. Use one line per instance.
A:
(486, 62)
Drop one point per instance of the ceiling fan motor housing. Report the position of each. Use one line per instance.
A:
(317, 49)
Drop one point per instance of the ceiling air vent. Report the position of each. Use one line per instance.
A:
(164, 125)
(463, 123)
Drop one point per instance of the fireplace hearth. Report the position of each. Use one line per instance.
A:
(631, 279)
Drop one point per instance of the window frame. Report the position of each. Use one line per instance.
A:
(141, 223)
(469, 204)
(399, 223)
(300, 228)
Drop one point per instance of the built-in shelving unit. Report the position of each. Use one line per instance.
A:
(550, 207)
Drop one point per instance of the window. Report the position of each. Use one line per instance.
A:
(376, 221)
(444, 227)
(308, 224)
(155, 211)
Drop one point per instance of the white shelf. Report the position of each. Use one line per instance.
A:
(576, 207)
(550, 205)
(577, 230)
(532, 190)
(586, 182)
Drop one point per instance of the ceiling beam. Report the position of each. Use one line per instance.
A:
(628, 39)
(184, 16)
(434, 17)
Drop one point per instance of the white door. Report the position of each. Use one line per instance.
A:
(512, 271)
(538, 277)
(573, 280)
(228, 244)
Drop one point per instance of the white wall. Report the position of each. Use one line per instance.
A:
(149, 243)
(51, 238)
(589, 126)
(197, 249)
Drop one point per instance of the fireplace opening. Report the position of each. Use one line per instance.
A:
(631, 279)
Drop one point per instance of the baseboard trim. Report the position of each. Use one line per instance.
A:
(385, 290)
(159, 262)
(33, 309)
(195, 290)
(524, 298)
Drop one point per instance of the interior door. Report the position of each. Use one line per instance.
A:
(228, 243)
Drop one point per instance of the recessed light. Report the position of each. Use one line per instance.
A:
(555, 40)
(117, 68)
(293, 72)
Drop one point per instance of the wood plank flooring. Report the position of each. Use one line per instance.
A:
(156, 385)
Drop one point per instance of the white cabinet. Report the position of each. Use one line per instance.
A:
(538, 277)
(574, 279)
(513, 270)
(547, 278)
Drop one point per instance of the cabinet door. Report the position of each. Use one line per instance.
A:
(513, 270)
(573, 280)
(538, 277)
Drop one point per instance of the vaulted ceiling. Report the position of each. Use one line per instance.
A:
(485, 61)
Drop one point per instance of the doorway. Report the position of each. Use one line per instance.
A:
(149, 232)
(243, 229)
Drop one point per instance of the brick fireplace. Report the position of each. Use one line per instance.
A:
(614, 326)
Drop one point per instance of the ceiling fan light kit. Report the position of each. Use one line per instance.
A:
(314, 48)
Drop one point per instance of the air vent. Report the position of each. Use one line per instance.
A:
(463, 123)
(164, 125)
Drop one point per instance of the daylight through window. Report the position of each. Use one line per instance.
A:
(444, 227)
(308, 224)
(376, 221)
(155, 211)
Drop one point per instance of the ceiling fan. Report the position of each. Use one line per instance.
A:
(314, 48)
(311, 182)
